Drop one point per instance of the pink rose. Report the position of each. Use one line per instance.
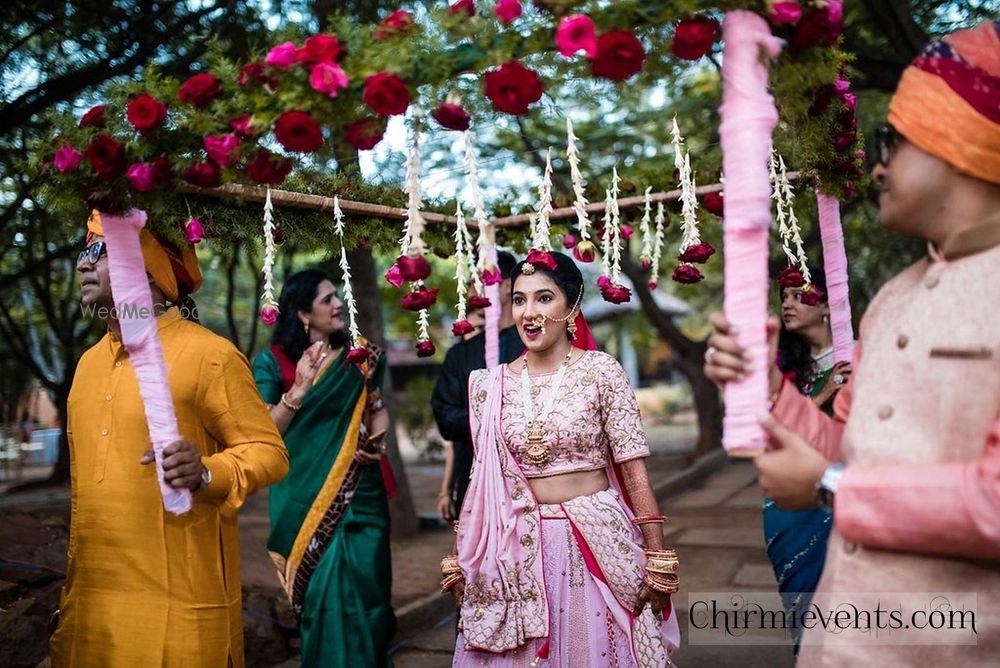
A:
(282, 56)
(140, 177)
(507, 10)
(224, 150)
(782, 12)
(627, 232)
(425, 349)
(647, 263)
(328, 78)
(584, 251)
(603, 281)
(67, 159)
(269, 315)
(651, 285)
(492, 276)
(569, 241)
(462, 327)
(394, 276)
(244, 125)
(467, 6)
(194, 231)
(577, 32)
(687, 273)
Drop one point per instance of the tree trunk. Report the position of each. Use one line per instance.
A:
(365, 282)
(690, 356)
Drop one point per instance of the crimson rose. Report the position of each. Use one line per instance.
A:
(419, 299)
(106, 157)
(396, 23)
(791, 277)
(203, 175)
(694, 37)
(145, 112)
(298, 131)
(386, 94)
(819, 26)
(462, 327)
(697, 253)
(320, 48)
(512, 87)
(94, 117)
(619, 56)
(199, 90)
(687, 273)
(413, 268)
(452, 116)
(364, 134)
(267, 168)
(477, 302)
(425, 349)
(713, 203)
(356, 356)
(616, 294)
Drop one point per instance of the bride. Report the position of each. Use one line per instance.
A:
(560, 558)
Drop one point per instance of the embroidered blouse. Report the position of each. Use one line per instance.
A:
(595, 414)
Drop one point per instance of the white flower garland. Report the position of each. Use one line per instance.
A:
(612, 238)
(463, 248)
(423, 327)
(267, 298)
(644, 227)
(541, 232)
(661, 218)
(345, 268)
(412, 242)
(579, 195)
(689, 207)
(788, 223)
(478, 213)
(606, 235)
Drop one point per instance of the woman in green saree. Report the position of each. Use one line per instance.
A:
(329, 517)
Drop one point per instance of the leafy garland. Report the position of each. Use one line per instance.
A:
(301, 106)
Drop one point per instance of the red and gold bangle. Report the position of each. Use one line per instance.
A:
(649, 519)
(450, 582)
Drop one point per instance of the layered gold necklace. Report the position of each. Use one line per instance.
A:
(537, 451)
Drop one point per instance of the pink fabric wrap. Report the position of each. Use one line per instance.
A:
(835, 263)
(493, 317)
(133, 299)
(748, 118)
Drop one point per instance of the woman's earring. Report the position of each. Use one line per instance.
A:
(826, 319)
(571, 328)
(305, 326)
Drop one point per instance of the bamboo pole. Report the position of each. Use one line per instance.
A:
(294, 200)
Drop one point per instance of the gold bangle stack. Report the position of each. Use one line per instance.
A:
(661, 571)
(451, 571)
(287, 404)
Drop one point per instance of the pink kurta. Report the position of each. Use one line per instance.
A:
(918, 426)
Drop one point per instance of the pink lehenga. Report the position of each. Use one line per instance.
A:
(555, 584)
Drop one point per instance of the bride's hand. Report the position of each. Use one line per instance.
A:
(657, 601)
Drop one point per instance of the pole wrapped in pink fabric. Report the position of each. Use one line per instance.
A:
(141, 338)
(748, 117)
(835, 264)
(493, 316)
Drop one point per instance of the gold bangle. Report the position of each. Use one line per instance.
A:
(289, 405)
(443, 495)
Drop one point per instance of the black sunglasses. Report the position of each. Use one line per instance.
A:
(93, 252)
(886, 138)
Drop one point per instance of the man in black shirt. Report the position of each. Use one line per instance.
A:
(450, 399)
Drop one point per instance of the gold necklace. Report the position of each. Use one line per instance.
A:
(536, 451)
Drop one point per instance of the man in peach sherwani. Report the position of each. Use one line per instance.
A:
(910, 463)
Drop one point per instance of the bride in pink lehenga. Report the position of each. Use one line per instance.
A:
(560, 558)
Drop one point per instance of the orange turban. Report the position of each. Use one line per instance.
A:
(175, 273)
(948, 101)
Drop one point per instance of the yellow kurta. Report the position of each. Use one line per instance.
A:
(144, 587)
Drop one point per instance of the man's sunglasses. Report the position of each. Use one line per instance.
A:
(886, 138)
(93, 252)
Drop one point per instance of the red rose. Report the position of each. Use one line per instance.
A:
(584, 251)
(616, 294)
(452, 116)
(694, 37)
(106, 157)
(364, 134)
(94, 117)
(462, 327)
(425, 349)
(395, 23)
(163, 174)
(386, 94)
(413, 268)
(714, 203)
(817, 27)
(199, 90)
(619, 56)
(791, 277)
(477, 302)
(467, 6)
(146, 113)
(203, 175)
(298, 131)
(697, 253)
(512, 87)
(254, 73)
(687, 273)
(844, 141)
(569, 241)
(542, 259)
(244, 126)
(356, 356)
(320, 48)
(647, 263)
(267, 168)
(419, 299)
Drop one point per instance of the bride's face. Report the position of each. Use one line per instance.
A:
(536, 303)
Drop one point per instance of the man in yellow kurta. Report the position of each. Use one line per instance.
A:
(145, 587)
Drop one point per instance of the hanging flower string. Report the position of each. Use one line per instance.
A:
(463, 247)
(425, 347)
(692, 250)
(583, 250)
(796, 274)
(646, 255)
(610, 281)
(541, 236)
(484, 272)
(269, 310)
(357, 354)
(660, 220)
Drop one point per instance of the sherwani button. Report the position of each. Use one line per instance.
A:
(902, 341)
(884, 412)
(118, 363)
(849, 547)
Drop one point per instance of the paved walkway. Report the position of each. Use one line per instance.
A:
(716, 528)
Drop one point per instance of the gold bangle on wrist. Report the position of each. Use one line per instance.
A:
(287, 404)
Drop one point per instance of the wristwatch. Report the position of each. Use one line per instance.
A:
(826, 488)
